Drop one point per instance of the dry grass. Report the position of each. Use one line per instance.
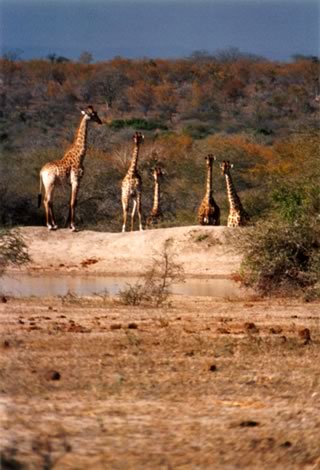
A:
(201, 384)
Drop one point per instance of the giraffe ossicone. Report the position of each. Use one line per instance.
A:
(70, 167)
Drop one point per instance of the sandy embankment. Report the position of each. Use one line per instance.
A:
(202, 251)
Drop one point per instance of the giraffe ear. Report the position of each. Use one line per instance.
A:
(83, 112)
(231, 165)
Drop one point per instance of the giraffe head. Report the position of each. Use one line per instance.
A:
(157, 173)
(138, 138)
(209, 159)
(91, 115)
(225, 166)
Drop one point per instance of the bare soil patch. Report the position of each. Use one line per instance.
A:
(202, 251)
(88, 383)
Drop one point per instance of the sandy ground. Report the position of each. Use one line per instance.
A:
(89, 383)
(202, 251)
(200, 384)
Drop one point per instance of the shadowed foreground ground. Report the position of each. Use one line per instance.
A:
(201, 384)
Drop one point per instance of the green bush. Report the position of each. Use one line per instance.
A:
(197, 131)
(281, 257)
(13, 249)
(133, 294)
(289, 202)
(154, 287)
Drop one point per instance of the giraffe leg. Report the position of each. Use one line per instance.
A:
(139, 212)
(133, 213)
(125, 208)
(54, 225)
(233, 220)
(230, 222)
(48, 205)
(46, 208)
(73, 202)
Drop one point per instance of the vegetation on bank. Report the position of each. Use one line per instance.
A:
(13, 250)
(159, 277)
(282, 258)
(282, 250)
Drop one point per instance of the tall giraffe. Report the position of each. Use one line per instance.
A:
(70, 167)
(131, 187)
(237, 215)
(209, 212)
(156, 213)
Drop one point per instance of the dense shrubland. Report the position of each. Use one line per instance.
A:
(282, 257)
(282, 250)
(259, 114)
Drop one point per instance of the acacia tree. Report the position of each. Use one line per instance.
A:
(106, 85)
(202, 100)
(141, 96)
(86, 57)
(166, 99)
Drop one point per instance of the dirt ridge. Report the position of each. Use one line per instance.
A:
(202, 251)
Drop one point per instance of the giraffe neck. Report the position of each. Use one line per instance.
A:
(233, 198)
(156, 197)
(79, 146)
(209, 183)
(134, 161)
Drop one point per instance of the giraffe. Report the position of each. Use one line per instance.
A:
(70, 167)
(131, 187)
(156, 213)
(237, 215)
(209, 212)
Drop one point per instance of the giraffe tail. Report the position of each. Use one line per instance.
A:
(40, 193)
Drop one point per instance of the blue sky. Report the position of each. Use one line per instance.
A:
(276, 29)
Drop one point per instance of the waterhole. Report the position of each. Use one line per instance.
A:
(26, 285)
